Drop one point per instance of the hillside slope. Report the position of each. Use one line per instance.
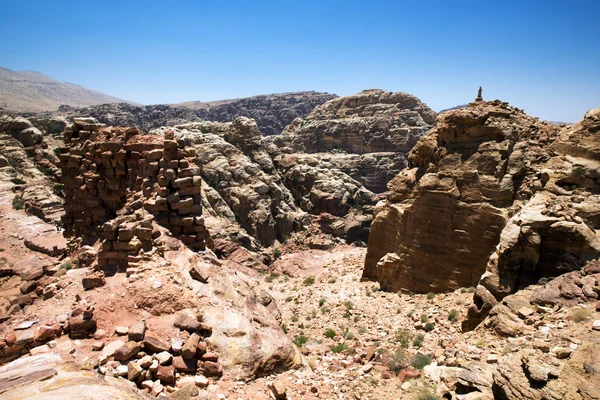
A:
(33, 91)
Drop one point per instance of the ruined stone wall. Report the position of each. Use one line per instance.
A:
(120, 184)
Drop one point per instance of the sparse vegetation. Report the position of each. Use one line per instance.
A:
(429, 327)
(18, 203)
(398, 361)
(300, 340)
(427, 396)
(403, 337)
(580, 314)
(57, 151)
(276, 252)
(18, 181)
(348, 334)
(66, 265)
(430, 296)
(453, 315)
(424, 318)
(330, 333)
(45, 170)
(348, 304)
(309, 281)
(418, 342)
(271, 277)
(420, 361)
(322, 301)
(325, 310)
(338, 348)
(289, 298)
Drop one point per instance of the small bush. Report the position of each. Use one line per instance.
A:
(284, 328)
(348, 304)
(18, 181)
(453, 315)
(322, 301)
(581, 314)
(429, 326)
(403, 336)
(325, 310)
(348, 335)
(289, 298)
(57, 152)
(271, 277)
(398, 361)
(300, 341)
(418, 342)
(295, 318)
(421, 361)
(309, 281)
(356, 318)
(471, 289)
(382, 350)
(276, 253)
(430, 296)
(338, 348)
(67, 265)
(423, 318)
(362, 330)
(427, 396)
(45, 170)
(330, 333)
(347, 315)
(18, 203)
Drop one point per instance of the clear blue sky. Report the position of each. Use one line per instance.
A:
(543, 56)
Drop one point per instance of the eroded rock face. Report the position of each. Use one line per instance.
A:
(445, 213)
(365, 135)
(272, 112)
(556, 230)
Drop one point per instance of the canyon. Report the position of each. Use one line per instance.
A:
(299, 246)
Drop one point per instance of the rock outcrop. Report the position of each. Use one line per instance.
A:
(445, 213)
(365, 135)
(272, 112)
(556, 230)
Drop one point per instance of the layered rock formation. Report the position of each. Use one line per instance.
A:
(272, 112)
(376, 128)
(445, 213)
(556, 231)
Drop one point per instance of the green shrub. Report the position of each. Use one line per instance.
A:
(403, 336)
(362, 330)
(289, 298)
(45, 170)
(276, 252)
(271, 277)
(58, 188)
(347, 315)
(382, 350)
(18, 181)
(471, 289)
(338, 348)
(581, 314)
(325, 310)
(427, 396)
(429, 326)
(57, 152)
(348, 304)
(418, 342)
(322, 301)
(309, 281)
(398, 361)
(330, 333)
(453, 315)
(300, 341)
(348, 335)
(423, 318)
(284, 328)
(67, 265)
(420, 361)
(430, 296)
(18, 203)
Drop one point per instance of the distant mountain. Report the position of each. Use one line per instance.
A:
(34, 91)
(453, 108)
(272, 112)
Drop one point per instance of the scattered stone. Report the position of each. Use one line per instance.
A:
(279, 390)
(137, 331)
(127, 351)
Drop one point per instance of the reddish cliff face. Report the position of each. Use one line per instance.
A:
(444, 214)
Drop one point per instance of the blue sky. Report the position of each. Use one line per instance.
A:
(543, 56)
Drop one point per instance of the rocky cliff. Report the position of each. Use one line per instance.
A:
(366, 135)
(272, 112)
(445, 213)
